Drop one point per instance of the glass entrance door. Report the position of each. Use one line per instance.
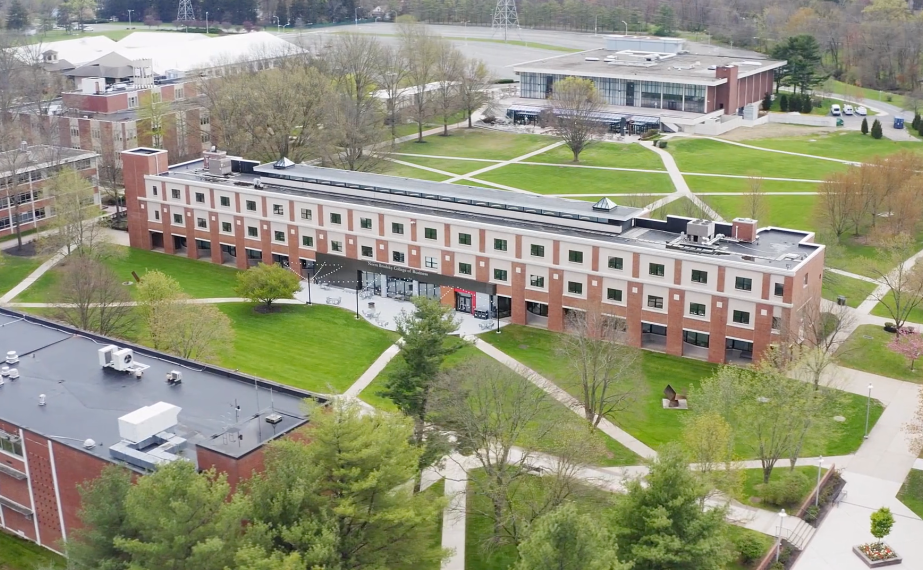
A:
(462, 302)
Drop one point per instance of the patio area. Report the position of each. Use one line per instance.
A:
(383, 311)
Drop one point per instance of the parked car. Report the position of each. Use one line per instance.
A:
(87, 29)
(58, 28)
(835, 110)
(847, 110)
(861, 111)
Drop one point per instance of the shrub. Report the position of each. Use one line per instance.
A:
(785, 490)
(767, 101)
(876, 129)
(806, 105)
(662, 144)
(776, 566)
(503, 81)
(785, 555)
(749, 547)
(810, 514)
(864, 128)
(783, 103)
(915, 124)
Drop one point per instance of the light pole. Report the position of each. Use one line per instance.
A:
(358, 283)
(206, 23)
(820, 462)
(278, 27)
(782, 516)
(626, 27)
(868, 408)
(595, 25)
(129, 18)
(498, 313)
(356, 14)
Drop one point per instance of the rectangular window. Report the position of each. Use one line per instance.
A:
(226, 227)
(697, 309)
(575, 256)
(336, 219)
(615, 263)
(307, 241)
(252, 232)
(696, 338)
(336, 246)
(574, 288)
(464, 239)
(175, 193)
(202, 223)
(537, 281)
(464, 268)
(741, 317)
(397, 228)
(500, 274)
(654, 302)
(10, 443)
(776, 323)
(225, 201)
(365, 223)
(779, 289)
(656, 269)
(743, 283)
(397, 257)
(251, 205)
(537, 250)
(156, 215)
(200, 197)
(699, 276)
(429, 262)
(430, 233)
(500, 244)
(154, 188)
(279, 236)
(368, 251)
(278, 209)
(178, 219)
(306, 214)
(614, 295)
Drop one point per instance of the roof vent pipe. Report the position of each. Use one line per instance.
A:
(4, 370)
(14, 373)
(12, 357)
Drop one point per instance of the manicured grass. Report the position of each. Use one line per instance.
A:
(646, 419)
(911, 493)
(404, 171)
(569, 180)
(914, 316)
(19, 554)
(752, 478)
(852, 91)
(319, 348)
(14, 269)
(846, 146)
(823, 109)
(605, 154)
(478, 143)
(854, 255)
(705, 155)
(735, 533)
(867, 349)
(199, 278)
(11, 237)
(854, 290)
(796, 212)
(445, 164)
(722, 184)
(681, 207)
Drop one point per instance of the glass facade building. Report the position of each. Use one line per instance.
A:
(625, 92)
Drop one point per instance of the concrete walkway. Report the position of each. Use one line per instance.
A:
(33, 277)
(851, 275)
(682, 188)
(373, 371)
(801, 154)
(495, 166)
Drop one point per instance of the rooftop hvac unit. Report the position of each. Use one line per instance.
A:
(174, 377)
(274, 419)
(122, 360)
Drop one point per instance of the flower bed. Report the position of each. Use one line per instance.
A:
(877, 554)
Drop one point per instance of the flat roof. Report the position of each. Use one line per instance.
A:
(686, 68)
(40, 156)
(84, 401)
(777, 251)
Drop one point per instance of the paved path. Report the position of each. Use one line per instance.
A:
(373, 371)
(34, 276)
(682, 188)
(495, 166)
(882, 290)
(851, 275)
(801, 154)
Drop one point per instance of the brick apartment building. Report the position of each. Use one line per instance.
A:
(716, 291)
(23, 174)
(71, 405)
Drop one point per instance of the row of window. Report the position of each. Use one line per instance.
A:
(700, 276)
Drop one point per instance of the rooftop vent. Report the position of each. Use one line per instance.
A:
(700, 230)
(274, 419)
(23, 146)
(604, 205)
(14, 373)
(592, 59)
(89, 444)
(12, 357)
(174, 377)
(283, 163)
(122, 360)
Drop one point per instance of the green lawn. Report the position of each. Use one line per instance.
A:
(752, 478)
(477, 143)
(850, 145)
(911, 493)
(722, 184)
(795, 212)
(14, 269)
(854, 255)
(19, 554)
(569, 180)
(867, 349)
(914, 316)
(446, 164)
(823, 109)
(705, 155)
(852, 91)
(605, 154)
(646, 419)
(404, 171)
(681, 207)
(854, 290)
(199, 279)
(736, 533)
(325, 349)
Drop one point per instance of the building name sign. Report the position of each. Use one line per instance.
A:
(397, 269)
(340, 268)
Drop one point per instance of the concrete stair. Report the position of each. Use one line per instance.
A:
(801, 534)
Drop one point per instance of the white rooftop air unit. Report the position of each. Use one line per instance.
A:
(122, 360)
(12, 357)
(146, 422)
(174, 377)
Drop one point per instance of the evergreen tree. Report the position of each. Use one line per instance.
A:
(864, 128)
(767, 101)
(915, 125)
(568, 539)
(806, 104)
(783, 103)
(876, 129)
(102, 517)
(17, 17)
(662, 526)
(282, 13)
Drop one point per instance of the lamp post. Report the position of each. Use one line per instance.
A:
(626, 27)
(782, 516)
(868, 408)
(595, 25)
(310, 282)
(356, 14)
(278, 27)
(358, 284)
(206, 23)
(498, 313)
(820, 462)
(129, 18)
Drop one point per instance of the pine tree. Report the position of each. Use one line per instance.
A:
(566, 538)
(915, 125)
(783, 103)
(767, 101)
(865, 126)
(17, 17)
(806, 104)
(876, 129)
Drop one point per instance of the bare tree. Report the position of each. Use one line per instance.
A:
(16, 160)
(192, 330)
(92, 298)
(755, 204)
(903, 279)
(111, 183)
(575, 104)
(474, 87)
(420, 52)
(597, 356)
(838, 198)
(449, 66)
(391, 77)
(152, 110)
(75, 223)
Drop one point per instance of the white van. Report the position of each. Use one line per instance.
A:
(835, 110)
(847, 110)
